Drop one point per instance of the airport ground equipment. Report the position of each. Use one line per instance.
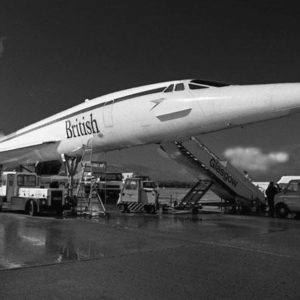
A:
(288, 200)
(227, 182)
(194, 195)
(20, 191)
(138, 195)
(285, 180)
(88, 199)
(109, 184)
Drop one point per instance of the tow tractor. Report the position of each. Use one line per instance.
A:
(138, 195)
(19, 191)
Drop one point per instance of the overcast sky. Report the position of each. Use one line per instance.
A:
(55, 54)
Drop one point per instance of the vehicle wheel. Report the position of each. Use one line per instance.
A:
(149, 209)
(281, 210)
(123, 208)
(32, 208)
(0, 207)
(297, 216)
(59, 211)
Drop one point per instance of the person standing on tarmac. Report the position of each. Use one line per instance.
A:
(271, 191)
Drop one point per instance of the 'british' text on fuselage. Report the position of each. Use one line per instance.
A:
(82, 127)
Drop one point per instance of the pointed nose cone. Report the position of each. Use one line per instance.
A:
(285, 97)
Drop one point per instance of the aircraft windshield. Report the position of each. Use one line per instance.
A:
(111, 177)
(149, 184)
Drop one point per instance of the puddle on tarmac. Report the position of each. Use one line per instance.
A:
(27, 241)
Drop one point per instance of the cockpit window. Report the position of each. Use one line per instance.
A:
(179, 87)
(209, 83)
(169, 88)
(197, 87)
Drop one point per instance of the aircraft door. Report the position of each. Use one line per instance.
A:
(10, 186)
(108, 113)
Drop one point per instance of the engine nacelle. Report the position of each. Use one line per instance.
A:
(51, 167)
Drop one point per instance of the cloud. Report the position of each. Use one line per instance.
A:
(253, 159)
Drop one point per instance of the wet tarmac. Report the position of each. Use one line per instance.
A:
(149, 257)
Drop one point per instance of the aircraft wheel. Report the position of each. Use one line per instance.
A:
(282, 210)
(32, 208)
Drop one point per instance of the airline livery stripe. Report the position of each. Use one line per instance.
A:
(110, 102)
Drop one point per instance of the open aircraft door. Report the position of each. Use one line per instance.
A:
(108, 114)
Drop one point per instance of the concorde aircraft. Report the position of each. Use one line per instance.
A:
(149, 114)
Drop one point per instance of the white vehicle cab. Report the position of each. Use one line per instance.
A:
(288, 201)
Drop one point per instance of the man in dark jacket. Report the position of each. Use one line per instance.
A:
(271, 191)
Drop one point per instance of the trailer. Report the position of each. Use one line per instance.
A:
(19, 191)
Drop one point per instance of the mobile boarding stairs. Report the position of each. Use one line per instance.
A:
(214, 174)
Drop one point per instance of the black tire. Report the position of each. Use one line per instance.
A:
(0, 207)
(120, 207)
(281, 210)
(123, 208)
(59, 211)
(297, 216)
(32, 208)
(149, 209)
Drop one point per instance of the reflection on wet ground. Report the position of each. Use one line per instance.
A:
(30, 241)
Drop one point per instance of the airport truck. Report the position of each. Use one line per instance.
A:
(109, 184)
(288, 201)
(19, 191)
(138, 195)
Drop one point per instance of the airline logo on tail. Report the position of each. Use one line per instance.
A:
(81, 127)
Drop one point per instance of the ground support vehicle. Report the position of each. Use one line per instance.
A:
(108, 183)
(215, 174)
(288, 200)
(138, 195)
(19, 192)
(109, 187)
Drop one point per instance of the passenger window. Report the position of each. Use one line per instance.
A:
(169, 88)
(179, 87)
(197, 87)
(29, 180)
(293, 187)
(20, 180)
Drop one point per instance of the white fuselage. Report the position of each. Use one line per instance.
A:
(148, 115)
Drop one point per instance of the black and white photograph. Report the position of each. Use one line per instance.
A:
(149, 149)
